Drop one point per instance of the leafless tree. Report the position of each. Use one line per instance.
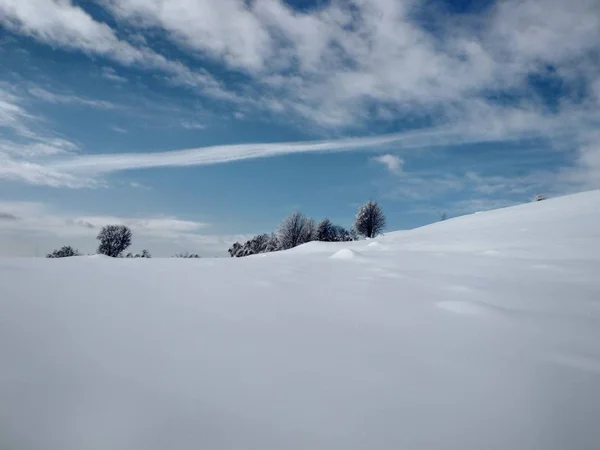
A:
(296, 229)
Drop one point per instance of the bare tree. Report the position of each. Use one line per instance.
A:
(310, 230)
(114, 239)
(64, 252)
(370, 220)
(296, 229)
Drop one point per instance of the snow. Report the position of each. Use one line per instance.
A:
(480, 332)
(346, 253)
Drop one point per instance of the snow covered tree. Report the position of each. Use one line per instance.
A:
(370, 220)
(114, 239)
(64, 252)
(296, 229)
(256, 245)
(263, 243)
(145, 254)
(235, 249)
(326, 231)
(273, 244)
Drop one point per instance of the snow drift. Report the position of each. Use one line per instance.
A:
(481, 332)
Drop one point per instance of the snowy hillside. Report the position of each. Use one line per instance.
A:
(481, 332)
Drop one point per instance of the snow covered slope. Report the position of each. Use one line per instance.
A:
(481, 332)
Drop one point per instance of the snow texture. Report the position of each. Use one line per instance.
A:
(480, 332)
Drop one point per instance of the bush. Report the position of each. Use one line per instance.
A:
(114, 239)
(370, 220)
(184, 255)
(64, 252)
(144, 254)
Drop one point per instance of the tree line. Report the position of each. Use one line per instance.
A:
(114, 240)
(297, 229)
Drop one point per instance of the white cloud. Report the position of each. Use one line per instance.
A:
(106, 163)
(12, 115)
(118, 129)
(60, 23)
(393, 163)
(51, 97)
(192, 125)
(111, 74)
(345, 64)
(37, 174)
(342, 63)
(44, 146)
(83, 170)
(21, 152)
(137, 185)
(225, 29)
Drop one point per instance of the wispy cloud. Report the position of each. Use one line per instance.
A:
(393, 163)
(98, 164)
(38, 174)
(37, 146)
(118, 129)
(137, 185)
(83, 170)
(25, 147)
(52, 97)
(12, 114)
(111, 74)
(192, 125)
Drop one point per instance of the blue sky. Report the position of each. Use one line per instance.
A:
(198, 123)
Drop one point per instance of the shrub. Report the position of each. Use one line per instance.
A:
(63, 252)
